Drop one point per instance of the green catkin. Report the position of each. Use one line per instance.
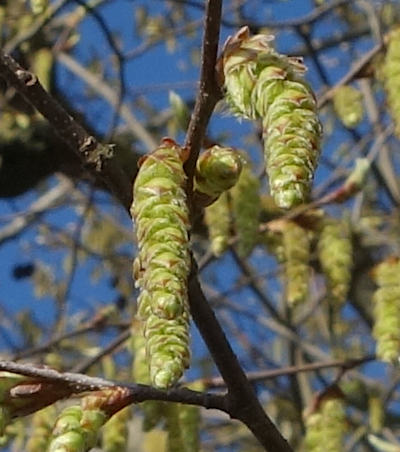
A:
(152, 409)
(38, 6)
(386, 330)
(296, 247)
(335, 252)
(115, 432)
(326, 427)
(182, 423)
(217, 170)
(348, 105)
(246, 208)
(376, 413)
(260, 83)
(162, 267)
(217, 219)
(42, 423)
(391, 75)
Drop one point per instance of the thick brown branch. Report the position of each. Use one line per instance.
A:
(95, 156)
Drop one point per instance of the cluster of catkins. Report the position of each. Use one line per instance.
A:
(261, 83)
(386, 329)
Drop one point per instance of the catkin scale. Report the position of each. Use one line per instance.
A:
(260, 83)
(162, 267)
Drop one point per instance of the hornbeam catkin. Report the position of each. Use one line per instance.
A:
(296, 247)
(217, 219)
(391, 74)
(348, 105)
(162, 266)
(246, 207)
(261, 83)
(336, 257)
(386, 328)
(326, 427)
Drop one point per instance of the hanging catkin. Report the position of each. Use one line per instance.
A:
(296, 248)
(348, 105)
(391, 75)
(335, 253)
(246, 207)
(162, 266)
(217, 219)
(261, 83)
(386, 329)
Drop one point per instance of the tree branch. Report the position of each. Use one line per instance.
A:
(96, 156)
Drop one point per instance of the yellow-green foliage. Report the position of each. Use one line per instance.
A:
(42, 424)
(347, 102)
(162, 266)
(335, 253)
(391, 74)
(217, 219)
(261, 83)
(246, 209)
(386, 299)
(296, 246)
(325, 428)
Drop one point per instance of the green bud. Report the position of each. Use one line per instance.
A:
(217, 170)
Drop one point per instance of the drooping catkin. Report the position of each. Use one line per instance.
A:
(348, 105)
(391, 75)
(246, 207)
(296, 248)
(335, 252)
(152, 409)
(217, 170)
(325, 427)
(261, 83)
(115, 432)
(386, 330)
(42, 424)
(217, 219)
(162, 266)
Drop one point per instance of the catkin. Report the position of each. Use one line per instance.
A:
(325, 428)
(386, 330)
(115, 432)
(42, 423)
(391, 75)
(217, 219)
(296, 247)
(246, 207)
(162, 266)
(348, 105)
(335, 253)
(261, 83)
